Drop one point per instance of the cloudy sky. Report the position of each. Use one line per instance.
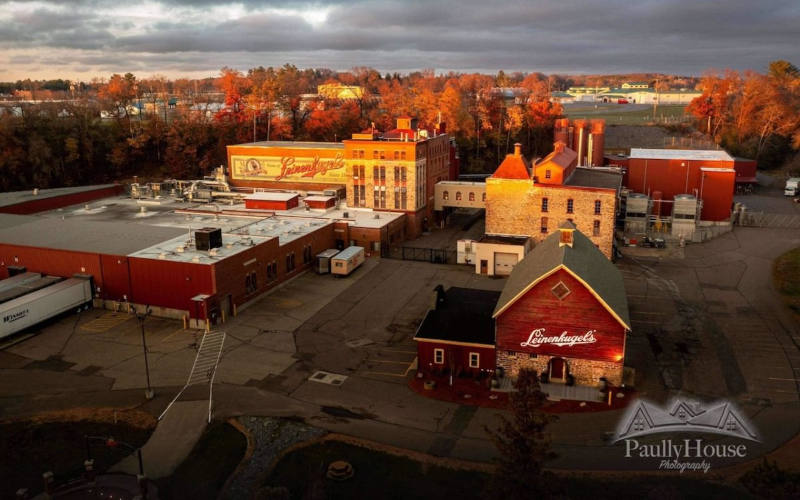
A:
(81, 39)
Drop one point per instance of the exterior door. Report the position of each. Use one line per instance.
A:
(558, 370)
(484, 266)
(504, 263)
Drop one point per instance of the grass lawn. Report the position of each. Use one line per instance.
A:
(384, 476)
(27, 450)
(786, 273)
(204, 472)
(619, 114)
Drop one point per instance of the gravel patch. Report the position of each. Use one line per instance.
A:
(270, 437)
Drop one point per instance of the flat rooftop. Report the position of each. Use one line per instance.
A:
(464, 316)
(115, 238)
(595, 178)
(290, 144)
(680, 154)
(17, 197)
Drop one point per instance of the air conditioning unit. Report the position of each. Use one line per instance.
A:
(208, 238)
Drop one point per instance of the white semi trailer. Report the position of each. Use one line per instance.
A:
(19, 279)
(35, 307)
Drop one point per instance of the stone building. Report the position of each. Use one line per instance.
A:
(523, 200)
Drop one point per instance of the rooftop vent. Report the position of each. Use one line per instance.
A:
(162, 256)
(196, 258)
(208, 238)
(180, 249)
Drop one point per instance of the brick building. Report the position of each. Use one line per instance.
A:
(563, 312)
(520, 203)
(395, 171)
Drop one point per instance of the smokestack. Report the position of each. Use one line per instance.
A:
(517, 149)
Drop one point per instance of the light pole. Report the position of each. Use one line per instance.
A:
(142, 317)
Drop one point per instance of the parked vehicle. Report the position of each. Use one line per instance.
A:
(324, 260)
(653, 242)
(347, 261)
(622, 101)
(35, 307)
(792, 187)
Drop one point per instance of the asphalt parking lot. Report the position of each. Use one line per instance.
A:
(337, 352)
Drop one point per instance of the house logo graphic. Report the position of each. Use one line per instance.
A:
(645, 418)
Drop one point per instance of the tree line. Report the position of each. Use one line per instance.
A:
(752, 114)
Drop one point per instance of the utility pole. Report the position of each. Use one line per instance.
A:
(142, 317)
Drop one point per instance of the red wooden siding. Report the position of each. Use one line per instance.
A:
(578, 313)
(455, 355)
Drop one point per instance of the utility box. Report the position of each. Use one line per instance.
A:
(685, 212)
(208, 238)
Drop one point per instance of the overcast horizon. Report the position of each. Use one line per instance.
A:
(85, 39)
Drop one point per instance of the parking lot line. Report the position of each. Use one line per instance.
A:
(105, 322)
(386, 374)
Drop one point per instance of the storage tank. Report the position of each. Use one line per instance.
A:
(636, 213)
(598, 140)
(580, 140)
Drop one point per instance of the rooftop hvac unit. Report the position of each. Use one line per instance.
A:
(208, 238)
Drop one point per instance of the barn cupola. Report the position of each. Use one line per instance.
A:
(566, 231)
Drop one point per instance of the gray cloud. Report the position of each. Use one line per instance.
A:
(681, 36)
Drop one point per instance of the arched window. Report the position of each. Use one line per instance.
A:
(458, 195)
(472, 197)
(445, 195)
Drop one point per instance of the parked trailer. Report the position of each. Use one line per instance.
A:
(792, 187)
(324, 260)
(347, 261)
(19, 279)
(26, 288)
(35, 307)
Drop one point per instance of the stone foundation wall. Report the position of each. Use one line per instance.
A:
(586, 372)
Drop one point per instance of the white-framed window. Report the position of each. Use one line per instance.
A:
(438, 356)
(474, 360)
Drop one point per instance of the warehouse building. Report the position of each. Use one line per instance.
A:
(195, 261)
(662, 174)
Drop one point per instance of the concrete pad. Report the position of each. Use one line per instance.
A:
(171, 442)
(248, 362)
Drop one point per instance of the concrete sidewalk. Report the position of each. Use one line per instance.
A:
(173, 440)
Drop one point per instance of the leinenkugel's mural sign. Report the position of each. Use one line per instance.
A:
(539, 336)
(290, 168)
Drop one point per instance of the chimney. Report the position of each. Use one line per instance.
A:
(559, 146)
(517, 149)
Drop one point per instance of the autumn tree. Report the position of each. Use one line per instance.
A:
(523, 445)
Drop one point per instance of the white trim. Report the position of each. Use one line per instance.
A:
(435, 352)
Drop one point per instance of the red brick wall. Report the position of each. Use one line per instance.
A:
(578, 313)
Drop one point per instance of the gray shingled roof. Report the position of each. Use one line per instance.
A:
(583, 259)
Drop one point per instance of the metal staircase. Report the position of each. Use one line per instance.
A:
(204, 368)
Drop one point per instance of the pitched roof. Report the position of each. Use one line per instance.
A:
(513, 167)
(465, 316)
(583, 260)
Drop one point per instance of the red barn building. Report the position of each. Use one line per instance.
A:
(563, 313)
